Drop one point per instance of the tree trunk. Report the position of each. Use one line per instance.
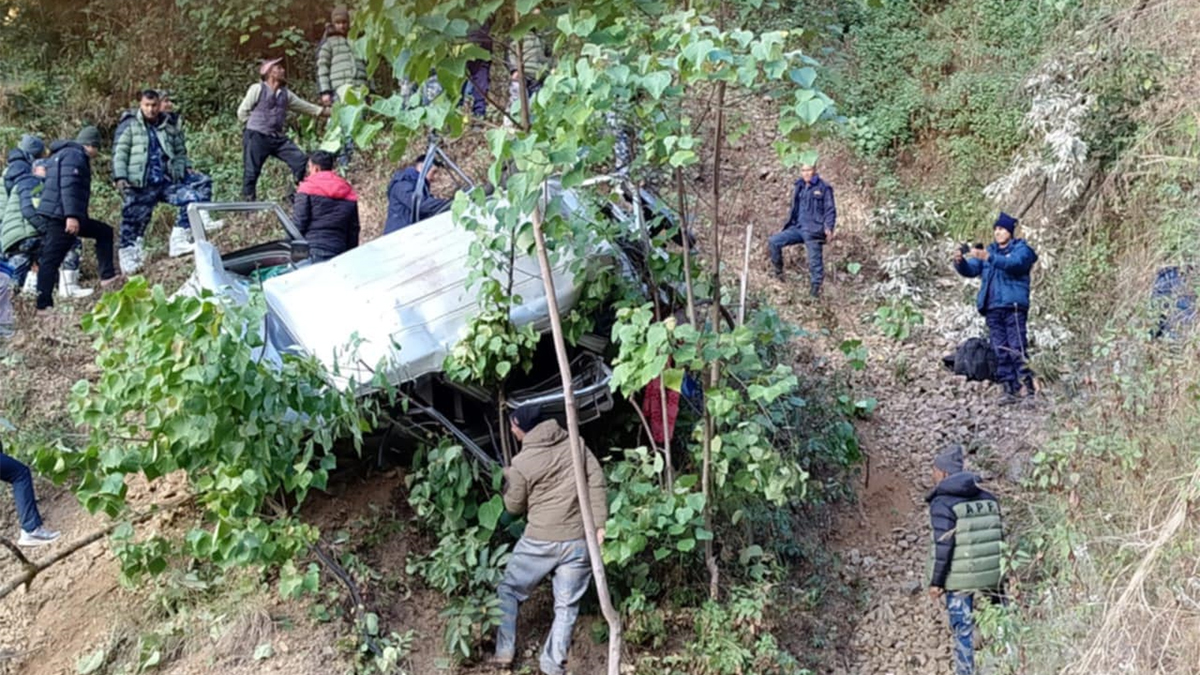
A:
(714, 375)
(577, 450)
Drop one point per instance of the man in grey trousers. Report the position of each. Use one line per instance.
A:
(541, 484)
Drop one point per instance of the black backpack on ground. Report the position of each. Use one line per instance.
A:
(974, 359)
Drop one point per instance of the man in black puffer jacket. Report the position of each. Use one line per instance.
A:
(62, 215)
(326, 210)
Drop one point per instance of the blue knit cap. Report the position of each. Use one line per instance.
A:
(32, 146)
(950, 460)
(1006, 221)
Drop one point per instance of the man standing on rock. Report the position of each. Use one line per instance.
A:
(1003, 298)
(541, 484)
(810, 222)
(264, 112)
(964, 555)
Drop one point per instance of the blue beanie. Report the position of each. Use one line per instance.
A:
(1006, 221)
(31, 145)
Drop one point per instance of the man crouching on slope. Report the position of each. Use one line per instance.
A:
(541, 484)
(964, 556)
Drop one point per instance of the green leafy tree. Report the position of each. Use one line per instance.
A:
(184, 390)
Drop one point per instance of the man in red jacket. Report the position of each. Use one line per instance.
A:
(326, 210)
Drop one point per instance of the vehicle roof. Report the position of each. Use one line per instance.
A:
(404, 298)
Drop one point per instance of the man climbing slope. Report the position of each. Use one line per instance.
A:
(964, 554)
(541, 484)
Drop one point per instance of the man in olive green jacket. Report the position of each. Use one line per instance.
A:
(541, 484)
(964, 555)
(151, 166)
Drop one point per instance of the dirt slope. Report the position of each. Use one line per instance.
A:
(78, 607)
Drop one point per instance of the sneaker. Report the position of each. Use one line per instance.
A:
(815, 290)
(39, 537)
(127, 259)
(778, 274)
(180, 243)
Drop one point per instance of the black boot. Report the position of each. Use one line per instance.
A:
(1009, 397)
(815, 290)
(777, 273)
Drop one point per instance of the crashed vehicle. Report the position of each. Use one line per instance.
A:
(403, 300)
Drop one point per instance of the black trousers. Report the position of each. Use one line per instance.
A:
(56, 243)
(256, 148)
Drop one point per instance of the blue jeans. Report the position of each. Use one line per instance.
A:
(959, 605)
(813, 245)
(531, 561)
(16, 473)
(1008, 337)
(139, 204)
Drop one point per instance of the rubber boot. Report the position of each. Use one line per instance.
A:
(30, 287)
(69, 288)
(139, 252)
(180, 243)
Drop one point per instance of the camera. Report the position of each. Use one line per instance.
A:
(965, 248)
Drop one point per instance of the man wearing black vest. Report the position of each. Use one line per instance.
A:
(264, 112)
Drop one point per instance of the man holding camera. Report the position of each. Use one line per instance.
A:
(1003, 299)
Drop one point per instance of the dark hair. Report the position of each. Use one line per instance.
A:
(420, 159)
(322, 159)
(148, 95)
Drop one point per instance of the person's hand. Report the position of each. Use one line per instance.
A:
(325, 111)
(72, 226)
(828, 235)
(600, 536)
(122, 185)
(934, 592)
(980, 253)
(326, 99)
(958, 255)
(516, 76)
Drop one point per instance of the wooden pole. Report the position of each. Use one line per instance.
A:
(577, 450)
(745, 275)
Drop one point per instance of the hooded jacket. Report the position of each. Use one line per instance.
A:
(22, 188)
(541, 483)
(813, 208)
(1005, 275)
(68, 186)
(401, 192)
(964, 554)
(326, 213)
